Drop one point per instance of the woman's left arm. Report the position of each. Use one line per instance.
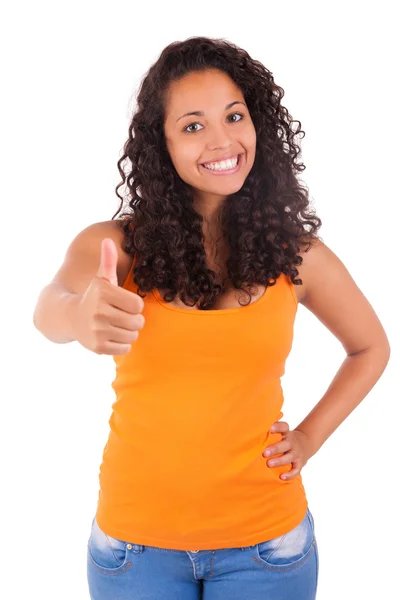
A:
(334, 298)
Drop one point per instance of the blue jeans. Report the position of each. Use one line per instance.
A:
(285, 568)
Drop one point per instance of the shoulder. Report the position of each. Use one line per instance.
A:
(313, 256)
(320, 265)
(112, 229)
(332, 295)
(308, 253)
(321, 268)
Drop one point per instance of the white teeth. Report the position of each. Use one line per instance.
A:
(223, 165)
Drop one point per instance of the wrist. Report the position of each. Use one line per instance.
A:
(309, 441)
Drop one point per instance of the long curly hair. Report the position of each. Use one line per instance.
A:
(265, 223)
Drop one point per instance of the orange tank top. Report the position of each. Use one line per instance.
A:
(195, 399)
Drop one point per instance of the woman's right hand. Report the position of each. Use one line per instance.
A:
(108, 318)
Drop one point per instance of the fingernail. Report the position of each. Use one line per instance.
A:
(267, 452)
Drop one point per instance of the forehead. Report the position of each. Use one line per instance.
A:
(205, 90)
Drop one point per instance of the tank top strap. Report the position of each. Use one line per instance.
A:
(129, 283)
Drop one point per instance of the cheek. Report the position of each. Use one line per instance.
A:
(185, 160)
(182, 154)
(249, 142)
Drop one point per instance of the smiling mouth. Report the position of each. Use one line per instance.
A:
(225, 171)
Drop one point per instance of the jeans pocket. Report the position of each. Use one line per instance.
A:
(108, 554)
(290, 550)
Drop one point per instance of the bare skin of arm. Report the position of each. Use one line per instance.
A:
(332, 295)
(56, 307)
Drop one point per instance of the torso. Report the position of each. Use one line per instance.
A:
(229, 299)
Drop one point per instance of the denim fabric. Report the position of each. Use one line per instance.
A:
(285, 568)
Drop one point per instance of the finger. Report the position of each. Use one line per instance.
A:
(283, 446)
(123, 319)
(290, 474)
(127, 301)
(122, 336)
(294, 471)
(108, 261)
(113, 348)
(286, 459)
(280, 426)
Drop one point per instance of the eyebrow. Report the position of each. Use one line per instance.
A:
(200, 113)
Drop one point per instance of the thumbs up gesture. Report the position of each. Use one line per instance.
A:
(108, 317)
(108, 261)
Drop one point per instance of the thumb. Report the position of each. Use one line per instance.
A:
(108, 261)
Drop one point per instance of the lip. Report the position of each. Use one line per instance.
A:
(228, 171)
(220, 158)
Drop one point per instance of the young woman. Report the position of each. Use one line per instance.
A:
(194, 292)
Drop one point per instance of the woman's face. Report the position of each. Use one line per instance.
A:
(223, 129)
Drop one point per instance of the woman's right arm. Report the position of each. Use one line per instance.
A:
(66, 311)
(54, 313)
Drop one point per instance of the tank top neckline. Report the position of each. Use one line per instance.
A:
(261, 300)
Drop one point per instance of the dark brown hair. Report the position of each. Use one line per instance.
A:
(263, 223)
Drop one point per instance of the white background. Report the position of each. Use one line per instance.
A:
(70, 72)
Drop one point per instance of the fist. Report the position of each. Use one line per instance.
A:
(108, 318)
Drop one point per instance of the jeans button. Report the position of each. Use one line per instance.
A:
(194, 551)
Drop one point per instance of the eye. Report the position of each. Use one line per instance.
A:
(186, 129)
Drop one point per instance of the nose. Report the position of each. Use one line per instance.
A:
(219, 138)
